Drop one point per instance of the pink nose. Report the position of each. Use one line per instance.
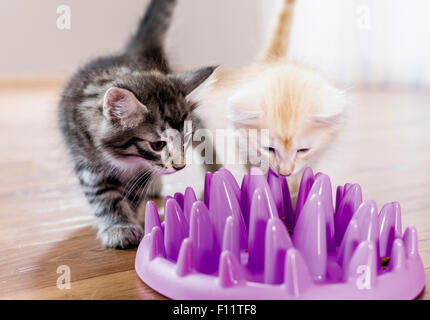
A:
(286, 170)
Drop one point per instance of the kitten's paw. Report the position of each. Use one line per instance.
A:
(122, 236)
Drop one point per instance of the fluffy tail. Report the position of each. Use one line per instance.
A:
(153, 27)
(278, 43)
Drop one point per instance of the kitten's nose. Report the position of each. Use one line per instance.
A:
(286, 170)
(179, 166)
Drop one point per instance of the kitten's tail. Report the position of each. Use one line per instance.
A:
(152, 28)
(278, 43)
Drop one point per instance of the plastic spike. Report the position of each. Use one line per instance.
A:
(350, 242)
(189, 199)
(224, 204)
(230, 270)
(390, 227)
(205, 252)
(244, 199)
(350, 202)
(165, 200)
(156, 243)
(363, 266)
(231, 237)
(410, 239)
(322, 186)
(305, 186)
(281, 196)
(297, 278)
(277, 242)
(179, 197)
(152, 218)
(257, 180)
(232, 180)
(175, 230)
(289, 216)
(367, 218)
(208, 178)
(261, 212)
(398, 256)
(184, 265)
(310, 236)
(339, 196)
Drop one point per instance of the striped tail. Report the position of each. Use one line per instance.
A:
(149, 38)
(278, 43)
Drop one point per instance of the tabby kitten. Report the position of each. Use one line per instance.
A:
(114, 113)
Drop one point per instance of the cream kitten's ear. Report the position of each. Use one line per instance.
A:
(121, 106)
(244, 117)
(330, 108)
(244, 107)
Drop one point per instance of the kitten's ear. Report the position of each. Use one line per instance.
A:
(121, 106)
(188, 81)
(245, 118)
(330, 110)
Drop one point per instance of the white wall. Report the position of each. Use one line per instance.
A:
(394, 49)
(203, 32)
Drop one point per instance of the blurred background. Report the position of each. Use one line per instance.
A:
(355, 42)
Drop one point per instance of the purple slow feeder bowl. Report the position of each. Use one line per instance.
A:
(250, 245)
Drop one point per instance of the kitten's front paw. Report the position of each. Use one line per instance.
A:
(122, 236)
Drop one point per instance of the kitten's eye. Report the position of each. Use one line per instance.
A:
(270, 149)
(157, 145)
(303, 150)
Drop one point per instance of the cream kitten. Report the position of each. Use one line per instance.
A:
(300, 107)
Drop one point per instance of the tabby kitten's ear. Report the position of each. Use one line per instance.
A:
(122, 107)
(188, 81)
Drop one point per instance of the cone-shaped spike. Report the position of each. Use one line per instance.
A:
(281, 195)
(208, 178)
(231, 237)
(410, 238)
(230, 270)
(261, 211)
(179, 197)
(363, 266)
(367, 219)
(297, 278)
(152, 219)
(184, 265)
(289, 211)
(322, 187)
(205, 252)
(390, 227)
(175, 230)
(156, 244)
(232, 180)
(339, 196)
(223, 204)
(258, 180)
(189, 199)
(305, 186)
(277, 242)
(244, 200)
(350, 202)
(349, 243)
(310, 236)
(165, 200)
(398, 256)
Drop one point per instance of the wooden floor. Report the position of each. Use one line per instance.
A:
(45, 222)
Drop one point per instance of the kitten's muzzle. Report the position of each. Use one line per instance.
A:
(178, 167)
